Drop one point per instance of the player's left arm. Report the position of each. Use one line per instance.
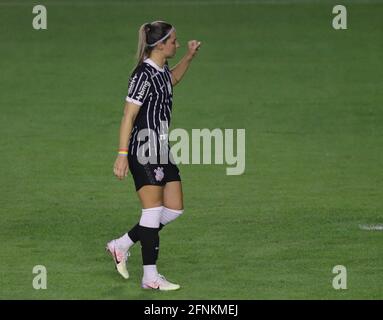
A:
(181, 67)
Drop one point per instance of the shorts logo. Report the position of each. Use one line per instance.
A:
(159, 173)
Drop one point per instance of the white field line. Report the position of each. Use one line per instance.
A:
(371, 227)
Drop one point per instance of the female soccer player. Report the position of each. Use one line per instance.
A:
(144, 148)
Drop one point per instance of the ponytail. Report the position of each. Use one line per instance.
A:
(141, 48)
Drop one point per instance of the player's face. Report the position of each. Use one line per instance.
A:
(171, 45)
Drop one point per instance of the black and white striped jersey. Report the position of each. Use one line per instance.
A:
(150, 87)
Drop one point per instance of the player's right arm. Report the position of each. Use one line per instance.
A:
(121, 165)
(138, 90)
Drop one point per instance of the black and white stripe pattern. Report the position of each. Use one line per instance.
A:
(150, 87)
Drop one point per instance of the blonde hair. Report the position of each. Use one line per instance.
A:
(149, 35)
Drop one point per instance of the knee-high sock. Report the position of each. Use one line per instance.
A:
(167, 215)
(148, 234)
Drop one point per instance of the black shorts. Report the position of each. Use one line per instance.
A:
(152, 174)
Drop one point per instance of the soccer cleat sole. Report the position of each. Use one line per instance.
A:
(173, 288)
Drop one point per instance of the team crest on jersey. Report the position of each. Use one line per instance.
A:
(159, 173)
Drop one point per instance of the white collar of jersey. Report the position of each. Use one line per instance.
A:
(153, 64)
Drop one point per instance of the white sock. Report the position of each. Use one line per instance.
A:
(124, 242)
(168, 215)
(150, 273)
(150, 217)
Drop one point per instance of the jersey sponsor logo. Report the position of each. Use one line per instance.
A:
(159, 173)
(132, 84)
(143, 89)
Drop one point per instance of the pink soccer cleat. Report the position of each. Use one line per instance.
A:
(120, 258)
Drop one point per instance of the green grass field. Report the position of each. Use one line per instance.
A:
(309, 97)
